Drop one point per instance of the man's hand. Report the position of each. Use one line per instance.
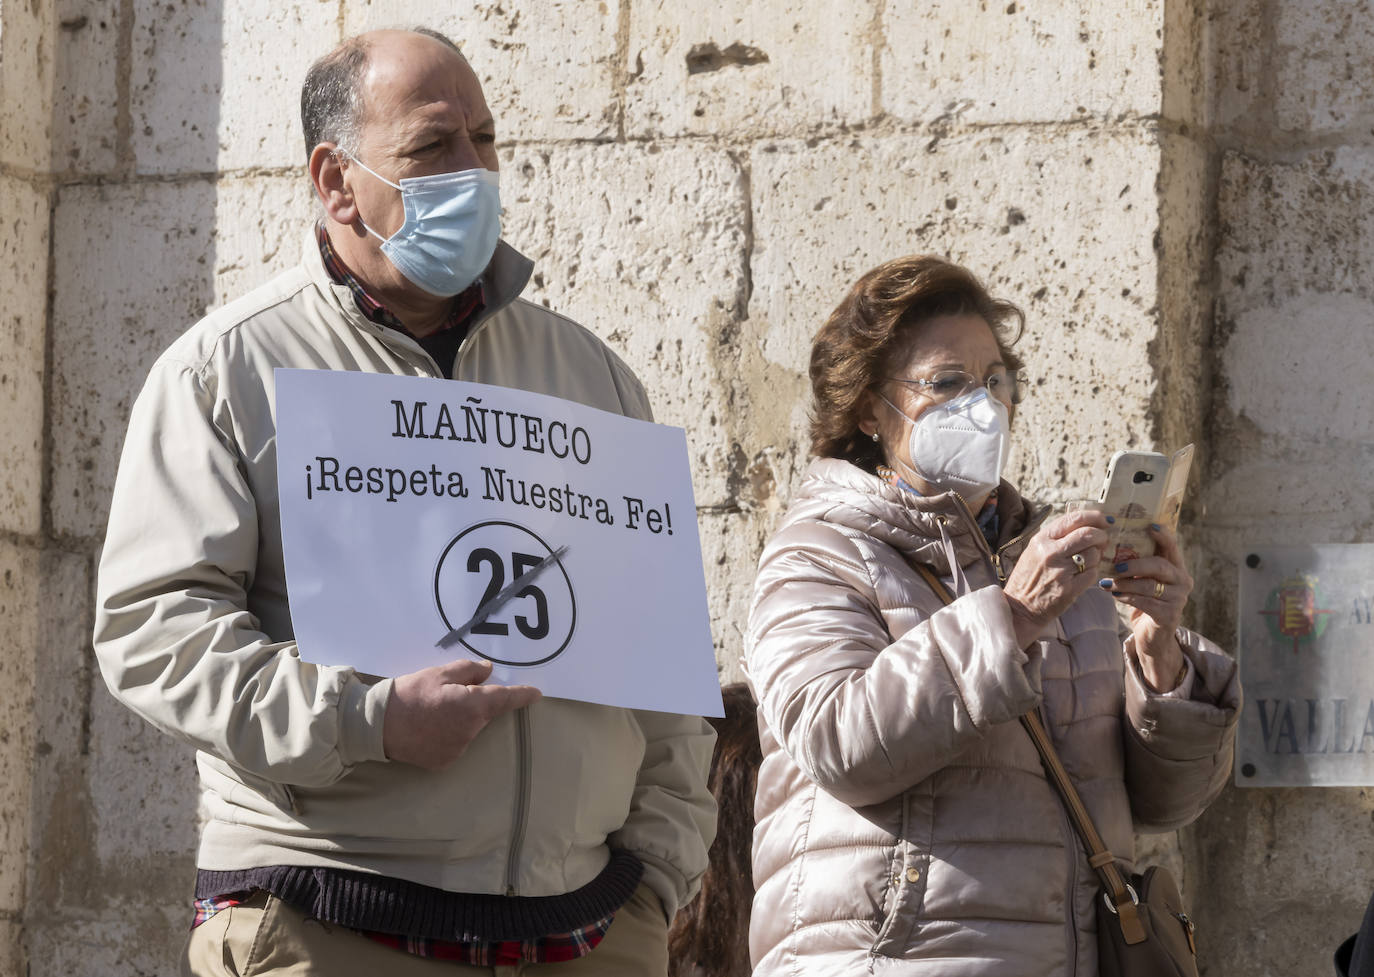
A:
(433, 714)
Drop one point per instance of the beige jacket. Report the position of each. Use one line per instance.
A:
(193, 631)
(905, 824)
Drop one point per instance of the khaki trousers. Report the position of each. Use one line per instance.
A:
(265, 936)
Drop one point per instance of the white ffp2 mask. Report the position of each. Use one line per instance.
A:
(960, 446)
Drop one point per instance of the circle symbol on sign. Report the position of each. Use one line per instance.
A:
(535, 624)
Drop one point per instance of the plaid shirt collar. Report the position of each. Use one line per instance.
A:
(466, 304)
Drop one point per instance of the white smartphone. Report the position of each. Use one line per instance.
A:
(1142, 487)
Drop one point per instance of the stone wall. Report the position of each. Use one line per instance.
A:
(1291, 429)
(699, 183)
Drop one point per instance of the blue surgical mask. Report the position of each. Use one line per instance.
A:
(452, 224)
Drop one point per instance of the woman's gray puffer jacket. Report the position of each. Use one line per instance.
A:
(905, 825)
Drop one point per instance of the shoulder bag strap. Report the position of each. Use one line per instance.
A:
(1121, 896)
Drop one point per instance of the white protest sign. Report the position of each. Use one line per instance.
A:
(408, 503)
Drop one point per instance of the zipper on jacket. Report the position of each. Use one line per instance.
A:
(995, 556)
(522, 797)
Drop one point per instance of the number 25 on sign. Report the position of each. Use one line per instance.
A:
(535, 625)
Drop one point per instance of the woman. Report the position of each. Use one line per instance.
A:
(905, 824)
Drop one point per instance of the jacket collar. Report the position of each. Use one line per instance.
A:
(911, 524)
(505, 278)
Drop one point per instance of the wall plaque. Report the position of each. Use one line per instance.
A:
(1307, 666)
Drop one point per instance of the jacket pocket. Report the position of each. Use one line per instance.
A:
(906, 891)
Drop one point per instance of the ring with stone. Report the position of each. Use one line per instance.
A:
(1159, 590)
(1079, 564)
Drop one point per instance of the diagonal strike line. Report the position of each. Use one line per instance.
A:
(502, 597)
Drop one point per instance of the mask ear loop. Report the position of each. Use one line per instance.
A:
(909, 420)
(349, 156)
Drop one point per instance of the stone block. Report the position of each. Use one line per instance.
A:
(1296, 305)
(24, 221)
(62, 835)
(1242, 73)
(548, 67)
(20, 594)
(27, 70)
(84, 110)
(763, 66)
(1288, 228)
(261, 224)
(1301, 857)
(13, 958)
(1324, 54)
(731, 542)
(134, 269)
(1010, 62)
(645, 247)
(143, 790)
(1185, 315)
(138, 938)
(216, 87)
(1062, 222)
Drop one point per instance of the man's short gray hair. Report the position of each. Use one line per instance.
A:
(331, 104)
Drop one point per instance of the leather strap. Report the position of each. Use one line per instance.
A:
(1099, 857)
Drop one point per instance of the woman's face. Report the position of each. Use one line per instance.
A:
(954, 342)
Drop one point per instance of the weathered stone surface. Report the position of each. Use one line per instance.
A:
(1294, 296)
(20, 592)
(136, 938)
(548, 67)
(62, 833)
(143, 788)
(13, 960)
(730, 546)
(646, 248)
(1324, 54)
(26, 85)
(261, 225)
(134, 269)
(1301, 856)
(217, 86)
(84, 111)
(1059, 221)
(1020, 62)
(24, 283)
(1242, 75)
(1292, 228)
(766, 66)
(1180, 348)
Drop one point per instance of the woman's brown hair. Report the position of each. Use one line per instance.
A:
(710, 935)
(868, 335)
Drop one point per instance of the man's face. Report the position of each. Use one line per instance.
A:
(422, 113)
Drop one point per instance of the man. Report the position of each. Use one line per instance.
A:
(357, 825)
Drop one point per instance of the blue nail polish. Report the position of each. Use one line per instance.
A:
(1106, 583)
(1121, 568)
(1110, 520)
(1156, 527)
(1116, 593)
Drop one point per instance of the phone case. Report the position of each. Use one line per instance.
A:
(1142, 487)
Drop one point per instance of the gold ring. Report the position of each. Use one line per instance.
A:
(1159, 590)
(1079, 564)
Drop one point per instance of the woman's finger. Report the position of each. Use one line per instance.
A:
(1086, 537)
(1154, 567)
(1062, 526)
(1166, 545)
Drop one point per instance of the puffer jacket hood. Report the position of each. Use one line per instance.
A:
(904, 823)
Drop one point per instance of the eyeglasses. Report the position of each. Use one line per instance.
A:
(948, 384)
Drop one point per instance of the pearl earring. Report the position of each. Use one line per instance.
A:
(875, 436)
